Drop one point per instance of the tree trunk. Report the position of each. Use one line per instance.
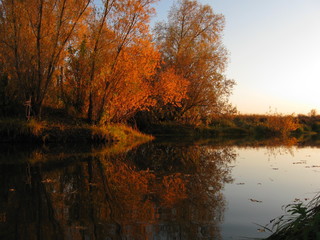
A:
(90, 109)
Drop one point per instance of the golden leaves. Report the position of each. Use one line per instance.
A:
(171, 87)
(190, 43)
(98, 61)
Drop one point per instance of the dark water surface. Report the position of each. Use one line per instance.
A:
(157, 191)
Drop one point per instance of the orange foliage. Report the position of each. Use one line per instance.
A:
(111, 73)
(34, 36)
(99, 62)
(282, 124)
(131, 84)
(190, 42)
(171, 87)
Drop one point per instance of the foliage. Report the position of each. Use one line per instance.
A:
(111, 70)
(300, 222)
(34, 35)
(274, 127)
(190, 43)
(98, 63)
(281, 124)
(267, 125)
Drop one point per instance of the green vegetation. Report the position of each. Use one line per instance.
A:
(59, 127)
(301, 221)
(269, 125)
(243, 126)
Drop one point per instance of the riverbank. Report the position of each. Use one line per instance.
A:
(17, 130)
(59, 127)
(239, 126)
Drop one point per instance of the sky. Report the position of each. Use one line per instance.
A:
(274, 52)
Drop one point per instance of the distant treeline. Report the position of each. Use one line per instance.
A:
(269, 124)
(238, 125)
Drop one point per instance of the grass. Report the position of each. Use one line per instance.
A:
(54, 141)
(258, 125)
(118, 133)
(59, 126)
(13, 129)
(301, 221)
(242, 126)
(16, 130)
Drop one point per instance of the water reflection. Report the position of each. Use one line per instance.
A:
(157, 191)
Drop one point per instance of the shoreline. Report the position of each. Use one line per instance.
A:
(257, 128)
(42, 132)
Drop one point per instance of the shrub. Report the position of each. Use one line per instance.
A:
(281, 124)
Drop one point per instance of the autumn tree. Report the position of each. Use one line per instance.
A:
(132, 62)
(190, 43)
(100, 61)
(118, 57)
(122, 64)
(34, 36)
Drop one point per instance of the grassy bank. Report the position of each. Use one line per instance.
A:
(16, 130)
(239, 126)
(58, 126)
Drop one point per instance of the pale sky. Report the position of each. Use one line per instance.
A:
(274, 48)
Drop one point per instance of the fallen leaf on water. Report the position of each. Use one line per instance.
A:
(254, 200)
(241, 183)
(300, 162)
(261, 230)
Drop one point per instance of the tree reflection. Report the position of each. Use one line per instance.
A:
(155, 192)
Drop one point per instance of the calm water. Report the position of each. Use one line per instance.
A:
(156, 191)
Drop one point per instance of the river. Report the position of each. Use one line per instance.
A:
(162, 190)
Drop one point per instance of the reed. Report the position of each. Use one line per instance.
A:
(301, 221)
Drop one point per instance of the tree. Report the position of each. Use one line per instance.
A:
(312, 113)
(104, 60)
(120, 59)
(73, 82)
(34, 36)
(131, 62)
(190, 43)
